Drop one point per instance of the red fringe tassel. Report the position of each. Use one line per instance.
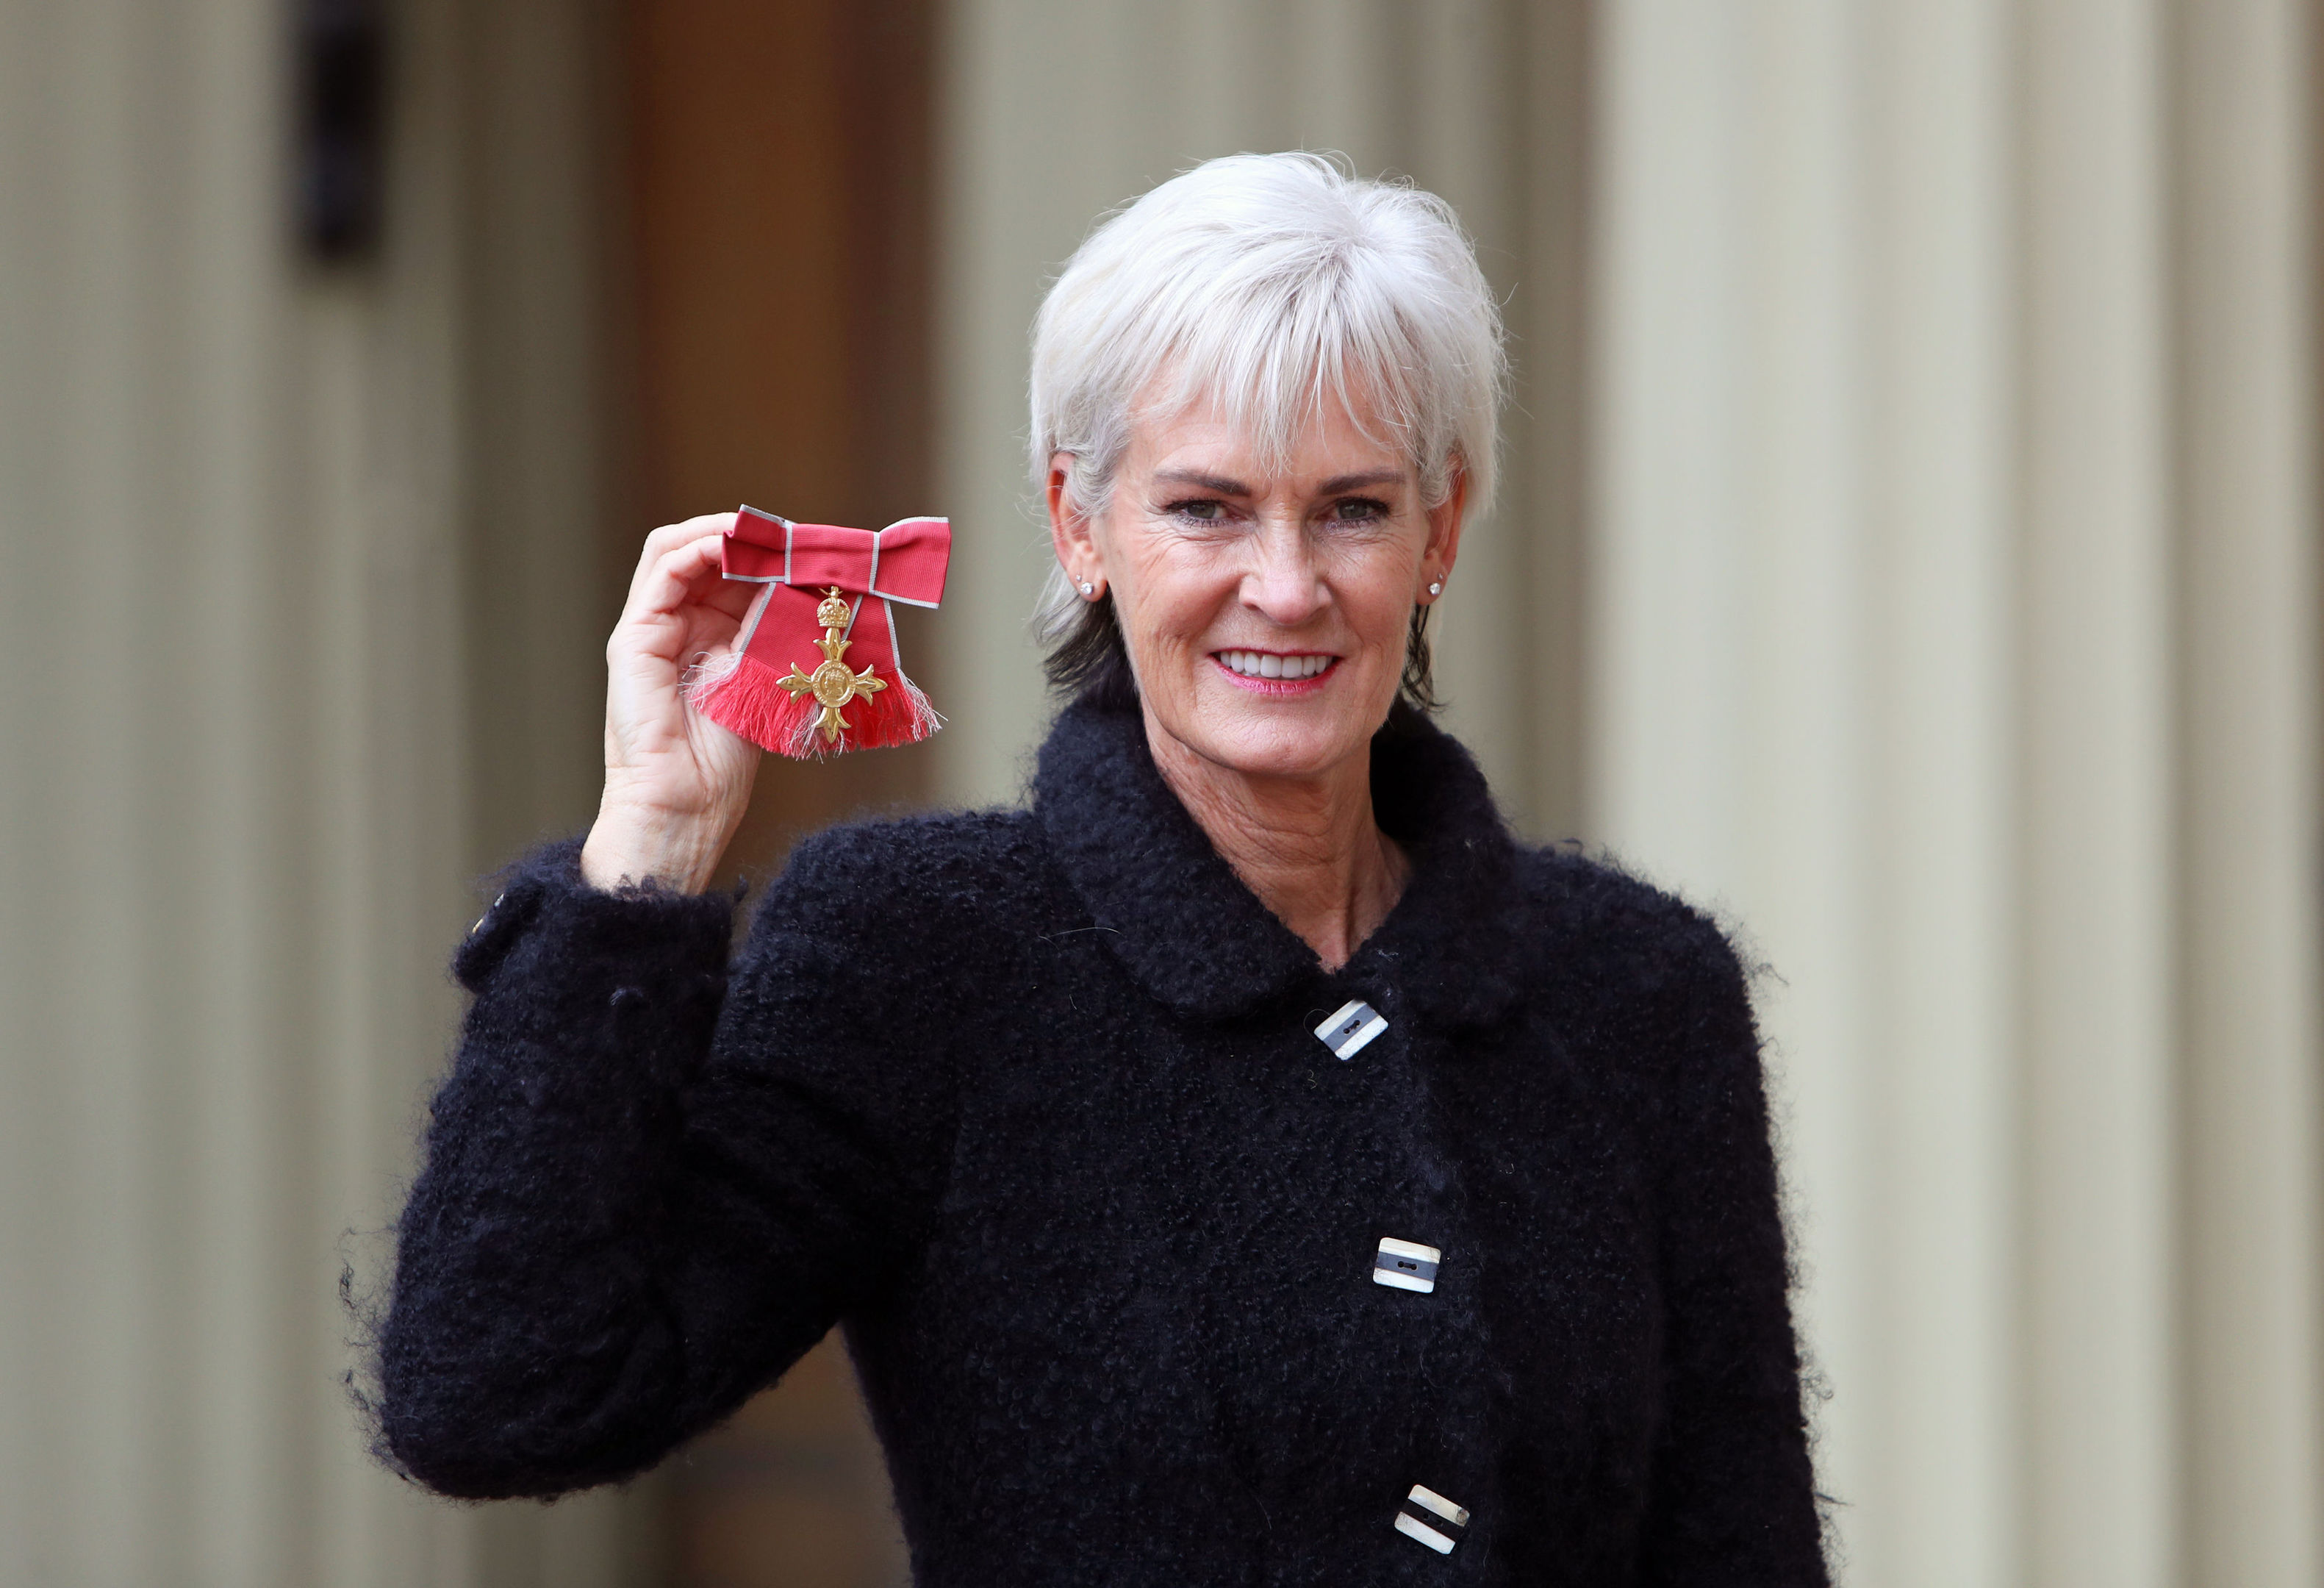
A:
(749, 699)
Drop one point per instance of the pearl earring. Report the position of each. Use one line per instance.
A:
(1088, 588)
(1436, 587)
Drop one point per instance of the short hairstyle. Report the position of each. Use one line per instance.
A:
(1267, 284)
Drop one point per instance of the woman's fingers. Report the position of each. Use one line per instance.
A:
(678, 591)
(707, 529)
(676, 578)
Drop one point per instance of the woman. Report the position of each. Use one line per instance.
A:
(1246, 1165)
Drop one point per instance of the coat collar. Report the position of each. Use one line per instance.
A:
(1185, 926)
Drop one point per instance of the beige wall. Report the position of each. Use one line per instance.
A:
(1952, 635)
(252, 514)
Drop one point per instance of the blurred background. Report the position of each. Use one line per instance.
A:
(1909, 550)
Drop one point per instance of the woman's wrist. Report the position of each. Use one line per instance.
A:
(628, 847)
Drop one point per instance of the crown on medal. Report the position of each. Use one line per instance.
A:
(833, 613)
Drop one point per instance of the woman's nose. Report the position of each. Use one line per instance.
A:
(1283, 585)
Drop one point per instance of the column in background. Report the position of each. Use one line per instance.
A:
(239, 503)
(2241, 83)
(2093, 891)
(234, 803)
(1936, 1498)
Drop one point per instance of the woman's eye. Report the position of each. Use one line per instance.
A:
(1358, 510)
(1206, 510)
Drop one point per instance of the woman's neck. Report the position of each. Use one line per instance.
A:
(1308, 847)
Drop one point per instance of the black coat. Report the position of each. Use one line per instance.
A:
(1032, 1102)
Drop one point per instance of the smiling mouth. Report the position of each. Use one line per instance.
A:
(1274, 666)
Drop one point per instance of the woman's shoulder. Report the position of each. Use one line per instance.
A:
(1596, 919)
(1643, 981)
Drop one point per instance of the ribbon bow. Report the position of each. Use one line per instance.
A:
(826, 589)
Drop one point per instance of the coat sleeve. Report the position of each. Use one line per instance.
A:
(652, 1181)
(1733, 1499)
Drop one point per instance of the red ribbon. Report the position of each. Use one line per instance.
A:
(798, 564)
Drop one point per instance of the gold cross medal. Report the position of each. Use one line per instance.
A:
(833, 684)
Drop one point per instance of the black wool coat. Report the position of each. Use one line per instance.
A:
(1032, 1102)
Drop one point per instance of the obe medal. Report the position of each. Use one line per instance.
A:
(833, 684)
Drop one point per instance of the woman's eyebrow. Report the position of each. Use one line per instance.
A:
(1347, 483)
(1218, 484)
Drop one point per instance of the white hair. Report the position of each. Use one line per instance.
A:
(1265, 284)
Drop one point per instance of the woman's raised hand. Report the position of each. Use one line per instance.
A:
(675, 782)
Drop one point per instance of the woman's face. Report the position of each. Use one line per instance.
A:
(1265, 609)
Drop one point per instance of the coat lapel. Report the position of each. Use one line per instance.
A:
(1188, 931)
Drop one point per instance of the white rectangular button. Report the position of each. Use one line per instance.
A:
(1350, 1027)
(1406, 1265)
(1433, 1519)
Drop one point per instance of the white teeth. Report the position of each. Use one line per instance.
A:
(1260, 664)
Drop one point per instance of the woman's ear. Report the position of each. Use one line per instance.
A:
(1069, 526)
(1444, 523)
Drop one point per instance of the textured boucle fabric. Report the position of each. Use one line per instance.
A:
(1031, 1101)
